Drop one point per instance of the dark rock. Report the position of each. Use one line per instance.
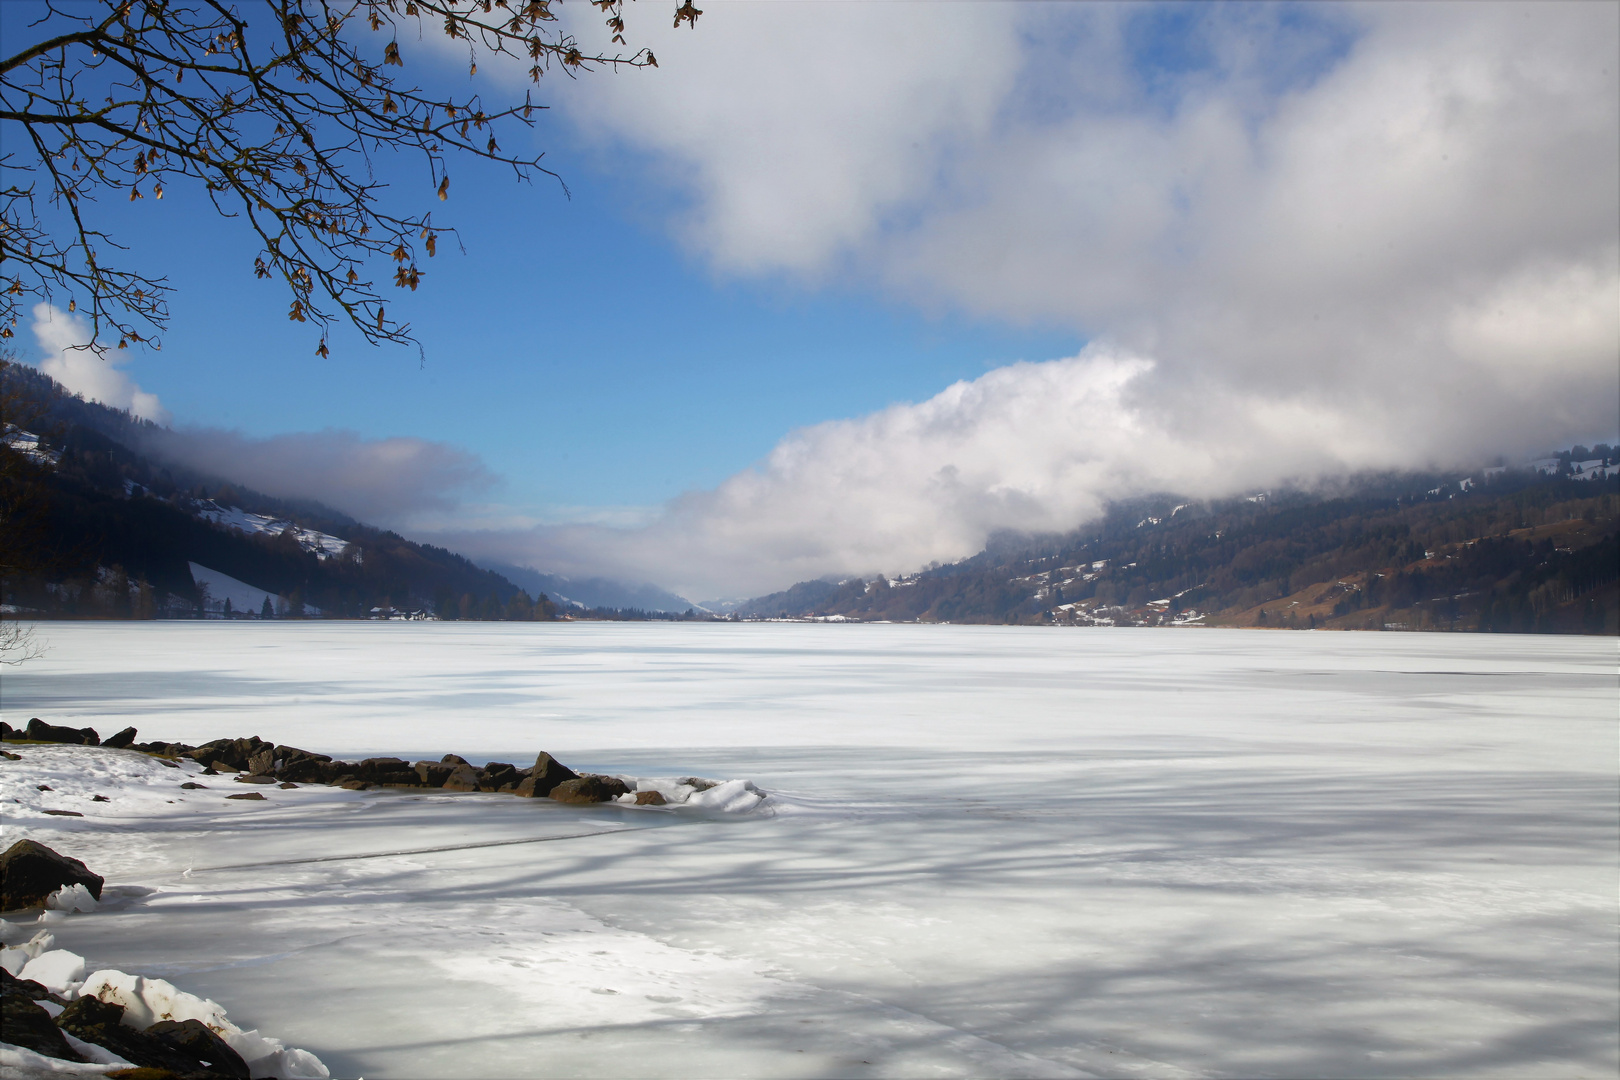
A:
(195, 1038)
(8, 732)
(101, 1023)
(30, 872)
(255, 779)
(312, 770)
(650, 798)
(382, 765)
(432, 773)
(461, 778)
(231, 753)
(262, 762)
(99, 798)
(259, 795)
(28, 1025)
(39, 731)
(452, 759)
(62, 813)
(121, 741)
(350, 785)
(189, 786)
(44, 787)
(547, 773)
(698, 782)
(284, 786)
(210, 771)
(589, 789)
(290, 754)
(28, 988)
(9, 756)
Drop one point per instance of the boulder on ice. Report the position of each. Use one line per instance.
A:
(39, 731)
(30, 872)
(590, 789)
(99, 1022)
(194, 1037)
(546, 774)
(26, 1023)
(461, 778)
(121, 741)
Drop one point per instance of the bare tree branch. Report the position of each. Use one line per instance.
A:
(278, 107)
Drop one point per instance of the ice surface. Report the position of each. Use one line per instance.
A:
(985, 852)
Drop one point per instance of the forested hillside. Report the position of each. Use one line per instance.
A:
(1512, 550)
(94, 528)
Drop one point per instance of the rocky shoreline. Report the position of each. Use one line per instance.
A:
(107, 1022)
(256, 761)
(133, 1028)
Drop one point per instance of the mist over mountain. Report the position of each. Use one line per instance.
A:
(1529, 549)
(591, 592)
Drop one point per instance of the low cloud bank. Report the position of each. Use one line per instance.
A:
(1032, 447)
(389, 481)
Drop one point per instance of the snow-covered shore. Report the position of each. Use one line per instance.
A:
(988, 852)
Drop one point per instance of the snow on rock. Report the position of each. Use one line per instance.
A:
(715, 796)
(147, 1001)
(20, 948)
(71, 898)
(58, 971)
(731, 797)
(95, 1053)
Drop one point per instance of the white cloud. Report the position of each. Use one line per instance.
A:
(1033, 447)
(62, 337)
(1316, 239)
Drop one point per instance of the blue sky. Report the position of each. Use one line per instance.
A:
(588, 361)
(848, 287)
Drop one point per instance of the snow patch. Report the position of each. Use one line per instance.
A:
(321, 545)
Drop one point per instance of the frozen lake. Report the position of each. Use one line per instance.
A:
(988, 852)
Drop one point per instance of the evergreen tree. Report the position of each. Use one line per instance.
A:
(267, 612)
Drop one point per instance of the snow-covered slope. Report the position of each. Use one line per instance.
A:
(244, 598)
(322, 545)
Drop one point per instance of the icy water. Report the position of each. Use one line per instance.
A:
(988, 852)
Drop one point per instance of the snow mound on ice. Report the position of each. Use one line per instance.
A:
(58, 971)
(20, 948)
(95, 1053)
(18, 1063)
(731, 797)
(147, 1001)
(722, 796)
(71, 898)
